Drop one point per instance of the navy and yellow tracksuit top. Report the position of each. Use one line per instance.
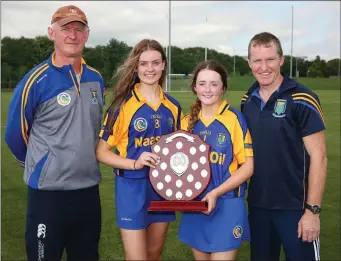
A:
(230, 143)
(53, 126)
(138, 125)
(281, 170)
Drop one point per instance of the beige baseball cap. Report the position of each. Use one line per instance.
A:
(68, 14)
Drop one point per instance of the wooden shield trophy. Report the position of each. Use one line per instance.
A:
(182, 174)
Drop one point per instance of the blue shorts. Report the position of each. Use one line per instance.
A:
(223, 230)
(132, 197)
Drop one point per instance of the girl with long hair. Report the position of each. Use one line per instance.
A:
(139, 114)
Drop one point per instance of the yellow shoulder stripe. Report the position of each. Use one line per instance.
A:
(24, 97)
(93, 69)
(308, 95)
(311, 100)
(244, 98)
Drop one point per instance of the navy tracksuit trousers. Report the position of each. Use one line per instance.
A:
(58, 220)
(270, 229)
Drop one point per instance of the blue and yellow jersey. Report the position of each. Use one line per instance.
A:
(138, 125)
(280, 179)
(50, 116)
(230, 142)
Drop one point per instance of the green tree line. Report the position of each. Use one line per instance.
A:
(19, 55)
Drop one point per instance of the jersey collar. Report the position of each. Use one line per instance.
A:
(286, 84)
(52, 62)
(222, 108)
(140, 97)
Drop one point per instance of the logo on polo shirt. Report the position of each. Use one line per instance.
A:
(279, 109)
(170, 122)
(140, 124)
(64, 99)
(221, 139)
(94, 98)
(237, 231)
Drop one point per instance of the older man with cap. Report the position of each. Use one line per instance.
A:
(54, 119)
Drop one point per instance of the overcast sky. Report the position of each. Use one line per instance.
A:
(228, 29)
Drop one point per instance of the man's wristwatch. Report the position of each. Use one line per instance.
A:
(315, 209)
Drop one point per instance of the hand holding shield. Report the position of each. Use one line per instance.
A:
(182, 174)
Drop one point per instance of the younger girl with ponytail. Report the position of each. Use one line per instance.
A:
(218, 233)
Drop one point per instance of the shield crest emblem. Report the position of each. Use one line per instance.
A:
(221, 138)
(280, 107)
(94, 98)
(183, 172)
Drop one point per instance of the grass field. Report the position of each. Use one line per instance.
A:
(13, 200)
(243, 83)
